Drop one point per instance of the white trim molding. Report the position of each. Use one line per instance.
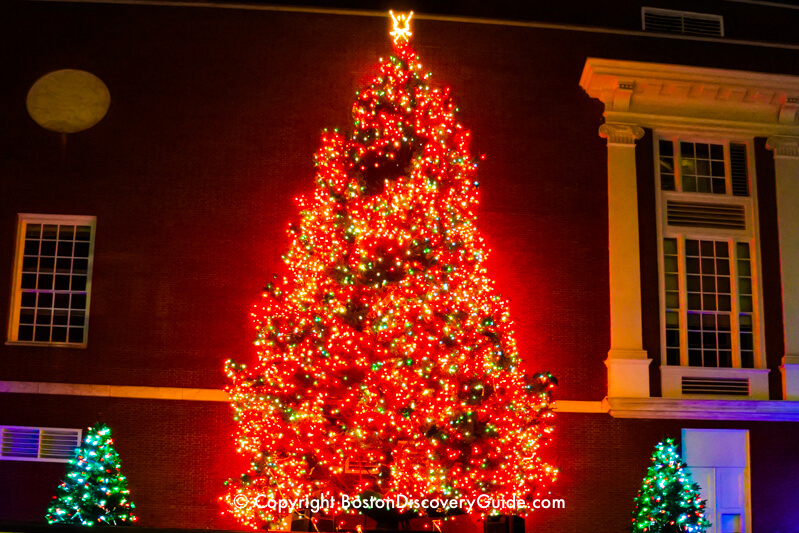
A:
(578, 406)
(786, 173)
(674, 408)
(114, 391)
(627, 362)
(753, 380)
(655, 95)
(696, 101)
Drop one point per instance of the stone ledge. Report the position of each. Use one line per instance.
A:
(114, 391)
(701, 409)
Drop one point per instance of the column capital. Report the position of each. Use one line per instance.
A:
(621, 134)
(783, 146)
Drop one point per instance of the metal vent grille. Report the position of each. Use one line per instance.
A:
(718, 386)
(668, 21)
(738, 170)
(705, 215)
(19, 443)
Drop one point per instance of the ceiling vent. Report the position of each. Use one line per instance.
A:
(715, 386)
(705, 215)
(19, 443)
(682, 22)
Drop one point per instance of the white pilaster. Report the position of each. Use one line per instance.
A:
(627, 362)
(786, 169)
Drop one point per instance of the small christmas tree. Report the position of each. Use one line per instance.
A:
(669, 501)
(387, 362)
(94, 491)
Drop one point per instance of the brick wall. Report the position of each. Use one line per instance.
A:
(175, 454)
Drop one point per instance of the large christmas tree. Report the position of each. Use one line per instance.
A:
(94, 491)
(386, 361)
(668, 501)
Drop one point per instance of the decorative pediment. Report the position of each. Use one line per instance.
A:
(659, 95)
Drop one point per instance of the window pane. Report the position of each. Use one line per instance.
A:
(30, 264)
(31, 248)
(75, 334)
(61, 301)
(743, 268)
(83, 233)
(45, 299)
(25, 333)
(60, 317)
(670, 264)
(672, 282)
(59, 334)
(47, 248)
(78, 301)
(672, 300)
(28, 281)
(50, 231)
(33, 231)
(28, 299)
(742, 250)
(45, 282)
(82, 249)
(64, 249)
(66, 233)
(670, 247)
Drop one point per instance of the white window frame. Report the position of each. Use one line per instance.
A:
(672, 375)
(23, 219)
(42, 455)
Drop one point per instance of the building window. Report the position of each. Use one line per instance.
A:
(52, 445)
(52, 280)
(708, 253)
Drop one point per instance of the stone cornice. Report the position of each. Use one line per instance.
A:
(659, 95)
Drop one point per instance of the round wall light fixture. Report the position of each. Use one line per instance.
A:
(68, 101)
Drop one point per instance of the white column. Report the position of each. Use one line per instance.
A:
(627, 362)
(786, 169)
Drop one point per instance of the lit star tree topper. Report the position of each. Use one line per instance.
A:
(94, 491)
(387, 347)
(669, 502)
